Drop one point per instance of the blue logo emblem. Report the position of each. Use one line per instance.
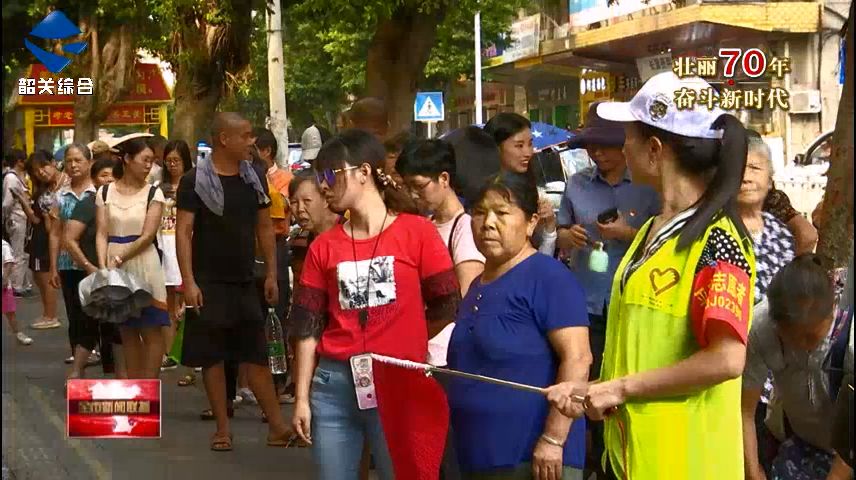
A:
(55, 26)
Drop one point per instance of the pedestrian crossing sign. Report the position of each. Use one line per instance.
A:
(428, 107)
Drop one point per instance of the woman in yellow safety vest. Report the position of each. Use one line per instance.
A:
(669, 388)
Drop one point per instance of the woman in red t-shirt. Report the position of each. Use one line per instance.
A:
(382, 282)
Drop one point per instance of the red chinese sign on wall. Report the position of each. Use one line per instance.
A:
(125, 114)
(61, 116)
(121, 114)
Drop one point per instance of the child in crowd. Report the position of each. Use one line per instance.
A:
(9, 306)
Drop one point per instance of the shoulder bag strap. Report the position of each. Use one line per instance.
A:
(450, 245)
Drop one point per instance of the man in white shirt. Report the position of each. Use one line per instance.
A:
(14, 175)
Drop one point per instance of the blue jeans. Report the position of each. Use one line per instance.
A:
(339, 426)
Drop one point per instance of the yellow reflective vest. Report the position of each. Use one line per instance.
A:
(697, 436)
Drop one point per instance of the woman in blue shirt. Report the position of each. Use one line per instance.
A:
(524, 320)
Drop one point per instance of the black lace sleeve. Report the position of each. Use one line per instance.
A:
(308, 317)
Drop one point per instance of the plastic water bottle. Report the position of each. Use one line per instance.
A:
(598, 259)
(275, 344)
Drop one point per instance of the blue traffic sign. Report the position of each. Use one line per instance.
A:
(428, 107)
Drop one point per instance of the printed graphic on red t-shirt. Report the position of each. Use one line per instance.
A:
(366, 283)
(406, 257)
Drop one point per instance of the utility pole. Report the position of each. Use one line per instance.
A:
(276, 80)
(478, 75)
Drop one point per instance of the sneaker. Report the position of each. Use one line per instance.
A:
(168, 364)
(23, 293)
(23, 339)
(46, 324)
(69, 359)
(247, 396)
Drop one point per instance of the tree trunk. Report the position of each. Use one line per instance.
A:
(196, 98)
(396, 61)
(111, 68)
(836, 230)
(207, 52)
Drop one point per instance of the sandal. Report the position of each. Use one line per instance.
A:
(187, 380)
(208, 414)
(283, 441)
(221, 442)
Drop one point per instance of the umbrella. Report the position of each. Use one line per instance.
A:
(545, 135)
(114, 295)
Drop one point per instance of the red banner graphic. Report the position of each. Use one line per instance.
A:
(114, 408)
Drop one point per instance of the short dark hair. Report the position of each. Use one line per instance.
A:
(156, 142)
(428, 158)
(477, 159)
(13, 156)
(396, 143)
(266, 139)
(516, 188)
(802, 292)
(183, 150)
(101, 163)
(505, 125)
(300, 176)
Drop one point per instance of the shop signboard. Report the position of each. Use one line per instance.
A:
(525, 39)
(587, 12)
(654, 64)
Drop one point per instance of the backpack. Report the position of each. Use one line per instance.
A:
(149, 198)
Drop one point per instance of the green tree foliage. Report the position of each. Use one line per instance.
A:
(328, 42)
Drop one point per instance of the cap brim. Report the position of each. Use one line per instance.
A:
(607, 136)
(616, 112)
(309, 153)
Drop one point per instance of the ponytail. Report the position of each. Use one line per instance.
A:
(719, 197)
(395, 195)
(722, 161)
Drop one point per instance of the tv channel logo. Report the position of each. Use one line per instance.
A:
(55, 26)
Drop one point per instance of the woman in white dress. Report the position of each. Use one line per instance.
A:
(128, 215)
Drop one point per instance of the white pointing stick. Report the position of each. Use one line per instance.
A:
(429, 369)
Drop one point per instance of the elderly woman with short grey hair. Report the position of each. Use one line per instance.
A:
(774, 243)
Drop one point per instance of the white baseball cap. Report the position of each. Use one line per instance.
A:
(654, 104)
(310, 143)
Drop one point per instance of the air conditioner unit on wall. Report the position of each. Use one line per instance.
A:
(805, 101)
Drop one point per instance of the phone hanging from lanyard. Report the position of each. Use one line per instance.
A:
(361, 365)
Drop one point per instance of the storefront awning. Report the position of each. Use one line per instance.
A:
(614, 48)
(690, 27)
